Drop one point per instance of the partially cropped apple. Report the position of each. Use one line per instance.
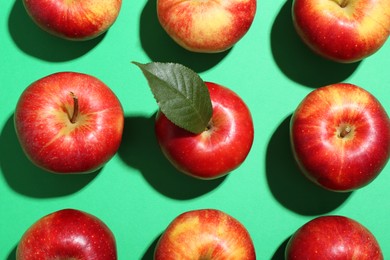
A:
(206, 26)
(222, 139)
(205, 234)
(69, 122)
(342, 30)
(74, 20)
(340, 136)
(67, 234)
(333, 237)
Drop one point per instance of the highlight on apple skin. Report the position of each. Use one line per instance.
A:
(206, 26)
(74, 20)
(333, 237)
(67, 234)
(340, 136)
(205, 234)
(69, 122)
(220, 148)
(344, 31)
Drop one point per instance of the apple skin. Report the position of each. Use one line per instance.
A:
(218, 150)
(344, 31)
(206, 26)
(74, 20)
(48, 137)
(334, 162)
(67, 234)
(205, 234)
(333, 237)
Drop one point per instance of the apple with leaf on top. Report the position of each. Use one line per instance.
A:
(206, 26)
(205, 234)
(204, 129)
(67, 234)
(69, 122)
(74, 20)
(340, 136)
(344, 31)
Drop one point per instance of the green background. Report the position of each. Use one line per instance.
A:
(138, 192)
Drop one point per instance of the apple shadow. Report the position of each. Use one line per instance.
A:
(26, 178)
(279, 253)
(297, 61)
(289, 186)
(139, 149)
(160, 47)
(40, 44)
(12, 254)
(149, 254)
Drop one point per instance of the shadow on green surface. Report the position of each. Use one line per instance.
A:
(149, 254)
(289, 186)
(26, 178)
(279, 253)
(139, 149)
(160, 47)
(297, 61)
(36, 42)
(12, 254)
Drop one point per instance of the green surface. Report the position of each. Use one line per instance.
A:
(138, 193)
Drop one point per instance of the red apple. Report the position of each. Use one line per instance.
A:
(220, 148)
(340, 136)
(69, 122)
(206, 26)
(74, 20)
(333, 237)
(342, 30)
(205, 234)
(67, 234)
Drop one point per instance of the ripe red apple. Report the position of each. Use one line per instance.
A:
(340, 137)
(69, 122)
(342, 30)
(206, 26)
(205, 234)
(74, 20)
(67, 234)
(333, 237)
(220, 148)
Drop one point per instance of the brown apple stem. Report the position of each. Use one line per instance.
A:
(75, 108)
(343, 3)
(345, 131)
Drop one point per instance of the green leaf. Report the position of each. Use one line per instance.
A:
(180, 94)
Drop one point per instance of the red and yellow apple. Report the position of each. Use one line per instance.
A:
(220, 148)
(205, 234)
(69, 122)
(342, 30)
(206, 26)
(333, 237)
(340, 136)
(74, 20)
(67, 234)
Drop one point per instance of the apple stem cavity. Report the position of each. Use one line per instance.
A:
(75, 108)
(345, 130)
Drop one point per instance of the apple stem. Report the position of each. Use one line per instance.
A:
(345, 131)
(343, 3)
(75, 108)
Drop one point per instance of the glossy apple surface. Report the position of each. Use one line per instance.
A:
(205, 234)
(340, 136)
(342, 30)
(67, 234)
(333, 237)
(218, 150)
(206, 26)
(74, 20)
(57, 138)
